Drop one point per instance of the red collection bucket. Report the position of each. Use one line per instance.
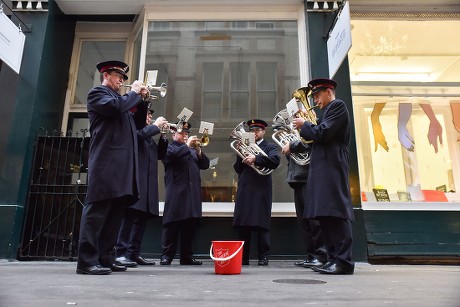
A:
(227, 256)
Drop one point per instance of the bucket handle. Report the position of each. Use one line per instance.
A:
(226, 258)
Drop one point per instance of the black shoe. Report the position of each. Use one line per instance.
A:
(123, 261)
(300, 263)
(191, 262)
(335, 269)
(326, 265)
(118, 268)
(94, 270)
(165, 261)
(245, 262)
(142, 261)
(314, 263)
(263, 261)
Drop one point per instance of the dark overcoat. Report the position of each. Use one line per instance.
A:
(112, 163)
(328, 186)
(149, 154)
(183, 182)
(253, 203)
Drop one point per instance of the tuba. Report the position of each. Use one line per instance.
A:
(285, 133)
(244, 149)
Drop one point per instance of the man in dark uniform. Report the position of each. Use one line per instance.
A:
(253, 203)
(328, 190)
(112, 167)
(134, 222)
(183, 210)
(297, 176)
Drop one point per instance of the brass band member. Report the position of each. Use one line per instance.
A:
(182, 211)
(253, 203)
(328, 189)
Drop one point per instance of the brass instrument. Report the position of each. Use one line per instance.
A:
(162, 89)
(301, 94)
(204, 140)
(243, 149)
(285, 133)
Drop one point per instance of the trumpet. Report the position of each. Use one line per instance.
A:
(243, 148)
(169, 128)
(285, 133)
(162, 89)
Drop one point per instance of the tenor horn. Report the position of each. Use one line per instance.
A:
(285, 133)
(301, 94)
(243, 148)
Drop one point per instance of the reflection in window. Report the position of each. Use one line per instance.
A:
(91, 53)
(223, 78)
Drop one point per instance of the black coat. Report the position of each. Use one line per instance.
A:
(253, 203)
(328, 186)
(183, 182)
(296, 172)
(112, 163)
(149, 154)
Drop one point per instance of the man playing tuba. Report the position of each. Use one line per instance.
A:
(253, 203)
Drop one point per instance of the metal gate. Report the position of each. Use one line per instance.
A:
(55, 199)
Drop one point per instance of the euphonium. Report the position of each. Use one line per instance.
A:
(285, 133)
(243, 149)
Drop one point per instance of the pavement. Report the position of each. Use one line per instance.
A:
(52, 284)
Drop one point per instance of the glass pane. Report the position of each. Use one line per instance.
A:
(406, 103)
(91, 53)
(223, 77)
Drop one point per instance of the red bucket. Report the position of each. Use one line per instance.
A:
(227, 256)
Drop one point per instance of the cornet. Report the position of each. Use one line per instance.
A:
(162, 89)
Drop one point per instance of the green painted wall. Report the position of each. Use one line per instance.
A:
(35, 100)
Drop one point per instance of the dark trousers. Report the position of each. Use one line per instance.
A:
(179, 230)
(263, 241)
(310, 229)
(337, 234)
(99, 226)
(131, 233)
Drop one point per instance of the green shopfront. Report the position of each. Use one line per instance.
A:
(231, 63)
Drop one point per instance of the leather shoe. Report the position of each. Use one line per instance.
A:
(123, 261)
(263, 261)
(191, 262)
(118, 268)
(335, 269)
(312, 263)
(165, 261)
(94, 270)
(245, 262)
(300, 263)
(142, 261)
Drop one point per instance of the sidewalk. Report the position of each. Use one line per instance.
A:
(53, 284)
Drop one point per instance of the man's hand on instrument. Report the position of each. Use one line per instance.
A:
(298, 122)
(249, 160)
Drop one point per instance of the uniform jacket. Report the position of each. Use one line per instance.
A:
(149, 154)
(296, 172)
(253, 203)
(112, 163)
(183, 182)
(328, 186)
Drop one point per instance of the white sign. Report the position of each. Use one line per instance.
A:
(339, 43)
(11, 43)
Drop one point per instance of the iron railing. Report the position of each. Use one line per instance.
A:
(55, 199)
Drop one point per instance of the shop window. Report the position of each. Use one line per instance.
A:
(223, 77)
(406, 103)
